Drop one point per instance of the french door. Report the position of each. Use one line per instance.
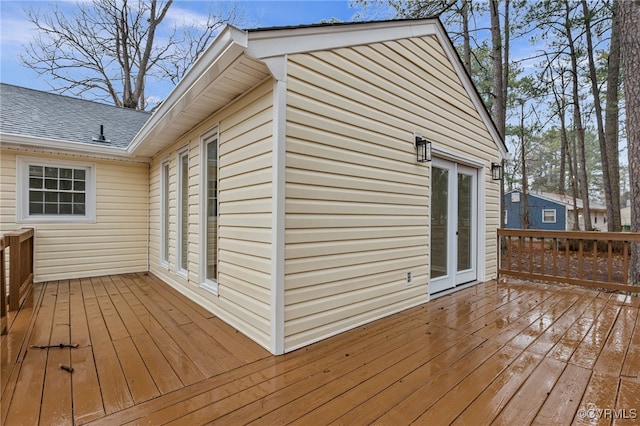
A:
(454, 225)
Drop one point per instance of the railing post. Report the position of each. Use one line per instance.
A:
(20, 265)
(14, 271)
(3, 289)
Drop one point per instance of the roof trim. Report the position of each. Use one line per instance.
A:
(65, 147)
(225, 48)
(280, 41)
(290, 40)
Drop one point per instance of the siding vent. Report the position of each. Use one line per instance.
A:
(101, 138)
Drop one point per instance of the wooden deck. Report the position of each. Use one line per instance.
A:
(496, 353)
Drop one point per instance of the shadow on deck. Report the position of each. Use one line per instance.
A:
(508, 353)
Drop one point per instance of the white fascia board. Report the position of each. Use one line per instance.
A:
(278, 42)
(229, 44)
(11, 140)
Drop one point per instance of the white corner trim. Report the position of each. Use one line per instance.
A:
(278, 213)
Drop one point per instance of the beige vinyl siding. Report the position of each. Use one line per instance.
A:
(116, 243)
(244, 192)
(7, 190)
(357, 202)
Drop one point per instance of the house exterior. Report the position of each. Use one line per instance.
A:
(278, 184)
(550, 211)
(625, 217)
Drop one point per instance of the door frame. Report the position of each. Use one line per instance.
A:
(479, 170)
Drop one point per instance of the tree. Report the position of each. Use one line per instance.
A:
(611, 121)
(107, 49)
(630, 51)
(607, 135)
(577, 116)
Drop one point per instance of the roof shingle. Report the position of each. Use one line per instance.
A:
(34, 113)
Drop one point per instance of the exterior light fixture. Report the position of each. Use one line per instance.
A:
(497, 173)
(423, 149)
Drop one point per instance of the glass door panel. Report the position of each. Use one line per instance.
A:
(439, 221)
(464, 221)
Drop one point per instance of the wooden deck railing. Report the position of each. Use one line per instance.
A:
(3, 288)
(591, 259)
(20, 246)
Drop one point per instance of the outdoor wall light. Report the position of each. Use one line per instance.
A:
(496, 171)
(423, 149)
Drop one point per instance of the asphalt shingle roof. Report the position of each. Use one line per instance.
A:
(40, 114)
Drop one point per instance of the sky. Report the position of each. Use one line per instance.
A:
(16, 31)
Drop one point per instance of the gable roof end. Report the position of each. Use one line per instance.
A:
(237, 60)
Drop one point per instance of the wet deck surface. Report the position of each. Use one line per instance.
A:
(496, 353)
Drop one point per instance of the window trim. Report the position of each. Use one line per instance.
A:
(22, 191)
(180, 256)
(165, 176)
(555, 216)
(206, 283)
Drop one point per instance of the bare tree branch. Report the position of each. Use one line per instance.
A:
(107, 49)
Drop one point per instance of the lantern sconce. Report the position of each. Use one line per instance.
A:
(423, 150)
(497, 172)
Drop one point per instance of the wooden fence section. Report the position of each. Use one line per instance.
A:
(20, 246)
(591, 259)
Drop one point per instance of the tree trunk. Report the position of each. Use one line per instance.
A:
(611, 120)
(630, 51)
(505, 63)
(562, 181)
(577, 117)
(599, 122)
(525, 178)
(498, 109)
(466, 38)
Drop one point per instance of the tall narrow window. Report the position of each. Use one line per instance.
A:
(164, 213)
(210, 219)
(183, 211)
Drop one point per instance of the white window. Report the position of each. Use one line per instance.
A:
(164, 213)
(55, 191)
(515, 197)
(506, 215)
(548, 216)
(183, 212)
(209, 212)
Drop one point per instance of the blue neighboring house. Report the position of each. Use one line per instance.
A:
(544, 212)
(551, 212)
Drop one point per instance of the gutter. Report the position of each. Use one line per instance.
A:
(12, 140)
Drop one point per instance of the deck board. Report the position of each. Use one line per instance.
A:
(525, 404)
(495, 353)
(87, 397)
(497, 394)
